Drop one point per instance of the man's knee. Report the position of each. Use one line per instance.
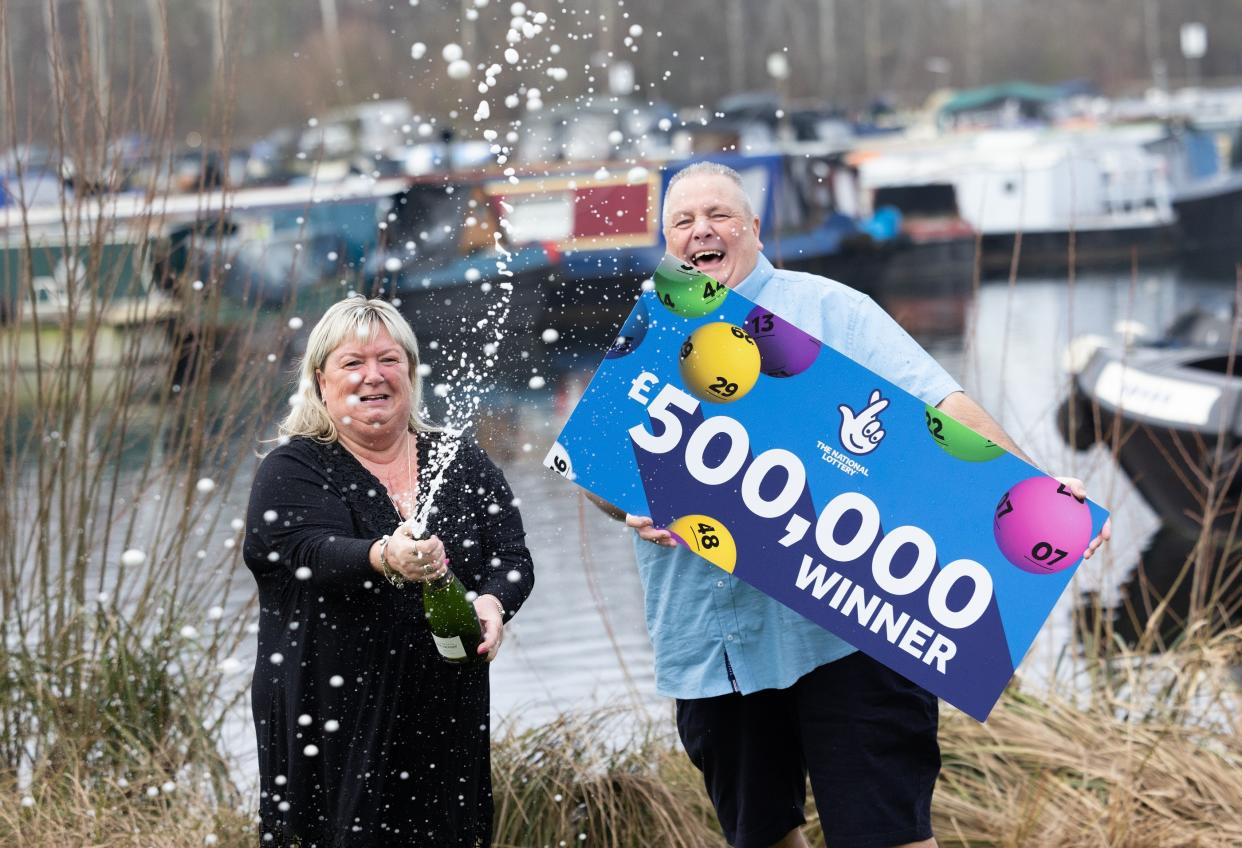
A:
(793, 839)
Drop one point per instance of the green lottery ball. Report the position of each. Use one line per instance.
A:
(687, 292)
(958, 440)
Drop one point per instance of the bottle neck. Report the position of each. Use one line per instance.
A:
(442, 582)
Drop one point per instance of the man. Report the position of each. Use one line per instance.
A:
(765, 696)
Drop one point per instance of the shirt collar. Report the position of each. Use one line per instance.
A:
(756, 279)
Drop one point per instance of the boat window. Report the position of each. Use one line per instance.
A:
(923, 201)
(810, 193)
(431, 218)
(1216, 364)
(188, 250)
(479, 225)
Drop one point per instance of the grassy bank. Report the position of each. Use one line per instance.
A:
(1153, 758)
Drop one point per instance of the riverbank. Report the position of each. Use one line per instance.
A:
(1147, 752)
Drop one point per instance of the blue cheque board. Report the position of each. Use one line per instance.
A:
(806, 475)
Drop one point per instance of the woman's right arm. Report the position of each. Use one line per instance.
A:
(299, 521)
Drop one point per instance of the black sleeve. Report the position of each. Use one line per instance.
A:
(297, 519)
(509, 571)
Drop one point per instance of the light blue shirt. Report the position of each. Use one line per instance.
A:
(712, 633)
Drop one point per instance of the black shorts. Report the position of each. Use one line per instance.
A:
(865, 734)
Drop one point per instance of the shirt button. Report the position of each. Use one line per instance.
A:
(719, 584)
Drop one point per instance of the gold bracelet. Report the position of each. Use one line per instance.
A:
(393, 577)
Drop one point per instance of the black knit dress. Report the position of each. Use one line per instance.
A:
(366, 737)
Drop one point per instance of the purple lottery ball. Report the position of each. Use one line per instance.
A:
(784, 350)
(1041, 527)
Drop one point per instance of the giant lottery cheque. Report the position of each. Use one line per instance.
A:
(799, 471)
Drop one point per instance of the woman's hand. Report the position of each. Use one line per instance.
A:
(488, 609)
(416, 559)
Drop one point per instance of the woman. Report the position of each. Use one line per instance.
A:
(366, 736)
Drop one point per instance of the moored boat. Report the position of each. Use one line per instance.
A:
(68, 332)
(1172, 412)
(1040, 198)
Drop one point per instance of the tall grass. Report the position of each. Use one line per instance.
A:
(126, 416)
(1153, 759)
(609, 778)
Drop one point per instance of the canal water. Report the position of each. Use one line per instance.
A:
(580, 640)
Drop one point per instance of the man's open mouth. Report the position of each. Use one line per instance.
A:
(706, 257)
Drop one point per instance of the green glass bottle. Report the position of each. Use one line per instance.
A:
(452, 620)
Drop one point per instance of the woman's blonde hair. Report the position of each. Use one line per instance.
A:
(350, 318)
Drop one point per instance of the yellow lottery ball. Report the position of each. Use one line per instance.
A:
(719, 362)
(708, 538)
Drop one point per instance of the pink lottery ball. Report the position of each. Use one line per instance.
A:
(1041, 527)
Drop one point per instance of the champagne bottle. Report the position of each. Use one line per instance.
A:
(450, 616)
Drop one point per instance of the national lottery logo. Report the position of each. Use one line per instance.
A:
(862, 431)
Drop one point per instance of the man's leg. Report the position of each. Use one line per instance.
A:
(747, 747)
(869, 739)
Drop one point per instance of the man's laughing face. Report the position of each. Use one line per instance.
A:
(707, 224)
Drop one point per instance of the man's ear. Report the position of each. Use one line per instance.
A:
(754, 225)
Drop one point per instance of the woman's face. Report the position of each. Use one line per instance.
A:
(365, 382)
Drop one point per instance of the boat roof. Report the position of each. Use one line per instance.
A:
(980, 98)
(163, 207)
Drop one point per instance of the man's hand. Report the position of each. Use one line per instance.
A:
(647, 531)
(1079, 490)
(641, 524)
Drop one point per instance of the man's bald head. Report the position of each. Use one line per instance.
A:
(713, 169)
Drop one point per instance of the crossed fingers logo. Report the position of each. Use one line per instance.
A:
(862, 431)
